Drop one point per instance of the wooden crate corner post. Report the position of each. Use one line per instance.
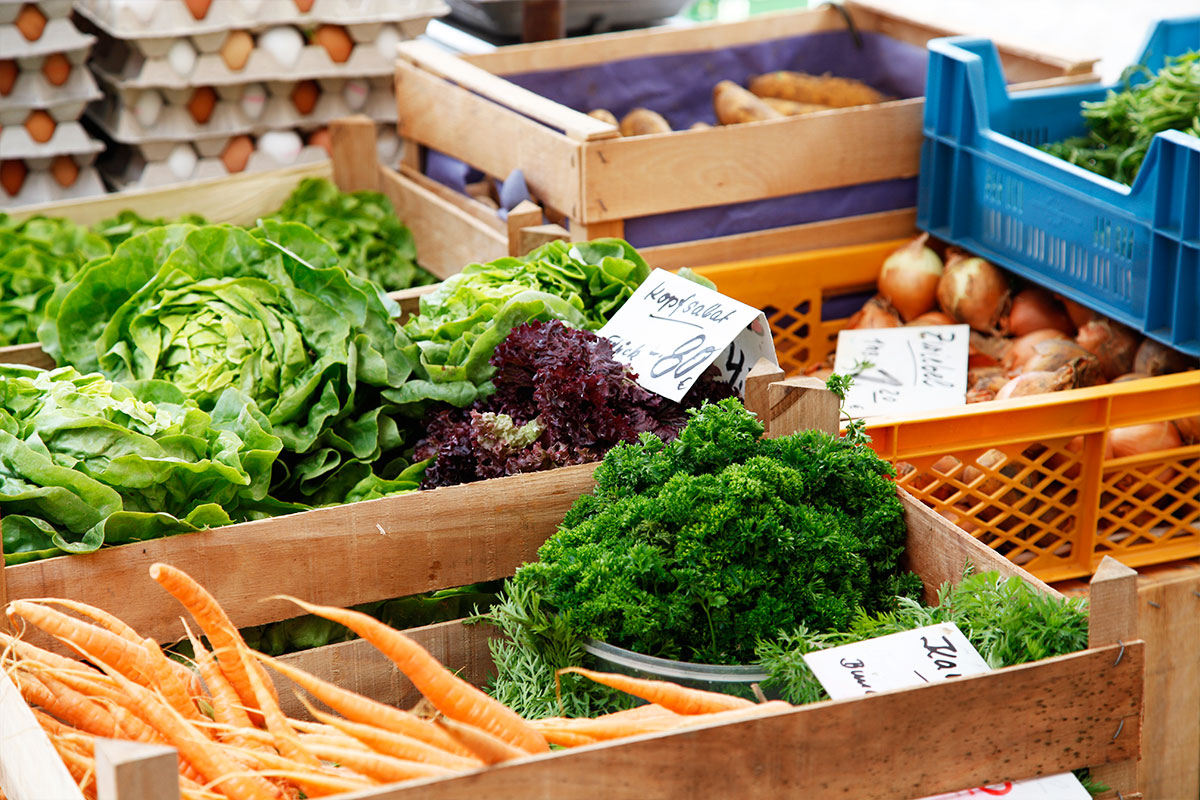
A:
(1113, 619)
(801, 404)
(355, 159)
(133, 770)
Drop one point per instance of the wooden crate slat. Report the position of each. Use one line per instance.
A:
(640, 175)
(911, 743)
(29, 765)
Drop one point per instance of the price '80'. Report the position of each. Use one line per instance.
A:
(684, 359)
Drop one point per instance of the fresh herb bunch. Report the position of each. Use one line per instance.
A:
(1121, 126)
(695, 548)
(560, 398)
(1007, 620)
(362, 227)
(36, 255)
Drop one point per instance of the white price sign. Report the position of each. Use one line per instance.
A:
(912, 369)
(925, 655)
(672, 329)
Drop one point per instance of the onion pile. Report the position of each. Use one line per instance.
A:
(973, 291)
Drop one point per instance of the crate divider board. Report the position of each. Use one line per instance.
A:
(458, 535)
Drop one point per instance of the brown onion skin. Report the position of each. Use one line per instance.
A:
(1040, 382)
(974, 291)
(1189, 429)
(1022, 349)
(1034, 309)
(1080, 314)
(1130, 376)
(1052, 354)
(1112, 343)
(907, 280)
(875, 313)
(1149, 437)
(1154, 358)
(932, 318)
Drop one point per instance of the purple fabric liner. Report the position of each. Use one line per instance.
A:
(679, 86)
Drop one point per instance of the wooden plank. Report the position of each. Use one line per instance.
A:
(356, 665)
(581, 232)
(602, 48)
(533, 237)
(576, 124)
(862, 229)
(935, 738)
(492, 138)
(136, 771)
(940, 552)
(30, 355)
(542, 20)
(735, 163)
(1169, 623)
(410, 300)
(802, 404)
(30, 768)
(525, 215)
(355, 159)
(378, 549)
(239, 199)
(465, 203)
(447, 237)
(758, 383)
(1113, 619)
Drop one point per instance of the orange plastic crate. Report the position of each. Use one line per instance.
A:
(1026, 476)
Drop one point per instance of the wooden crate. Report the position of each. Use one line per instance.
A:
(582, 172)
(1062, 713)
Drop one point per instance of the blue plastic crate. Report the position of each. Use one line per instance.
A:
(1132, 253)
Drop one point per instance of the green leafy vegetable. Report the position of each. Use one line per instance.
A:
(1122, 125)
(362, 227)
(85, 462)
(462, 321)
(1007, 620)
(35, 256)
(128, 224)
(271, 314)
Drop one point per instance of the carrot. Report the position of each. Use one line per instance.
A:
(670, 696)
(605, 729)
(490, 749)
(105, 619)
(222, 635)
(286, 740)
(390, 743)
(319, 782)
(449, 693)
(66, 704)
(564, 738)
(81, 767)
(129, 658)
(362, 709)
(378, 766)
(226, 704)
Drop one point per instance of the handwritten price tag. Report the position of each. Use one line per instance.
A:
(913, 369)
(672, 329)
(925, 655)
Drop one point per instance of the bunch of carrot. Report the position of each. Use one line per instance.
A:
(223, 716)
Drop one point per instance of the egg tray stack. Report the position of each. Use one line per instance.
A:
(197, 89)
(45, 153)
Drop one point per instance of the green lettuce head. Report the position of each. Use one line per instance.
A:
(269, 314)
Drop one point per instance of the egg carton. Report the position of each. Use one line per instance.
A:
(69, 138)
(155, 19)
(145, 165)
(124, 114)
(196, 61)
(33, 90)
(41, 187)
(60, 35)
(51, 9)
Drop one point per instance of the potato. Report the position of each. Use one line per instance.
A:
(790, 108)
(824, 89)
(733, 105)
(642, 121)
(604, 115)
(699, 126)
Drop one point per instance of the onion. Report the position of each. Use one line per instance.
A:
(975, 292)
(1129, 376)
(1018, 355)
(1080, 314)
(986, 351)
(971, 475)
(909, 278)
(985, 384)
(1051, 354)
(875, 313)
(1134, 440)
(1041, 382)
(1189, 429)
(1111, 343)
(1034, 309)
(1153, 358)
(933, 318)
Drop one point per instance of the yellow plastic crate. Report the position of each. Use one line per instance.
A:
(1027, 476)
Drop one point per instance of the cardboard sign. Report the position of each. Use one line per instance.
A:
(912, 369)
(925, 655)
(672, 329)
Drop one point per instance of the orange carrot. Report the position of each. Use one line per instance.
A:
(99, 615)
(286, 740)
(355, 707)
(222, 635)
(81, 767)
(378, 766)
(320, 782)
(564, 738)
(25, 650)
(605, 729)
(226, 704)
(671, 696)
(66, 704)
(390, 743)
(450, 694)
(490, 749)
